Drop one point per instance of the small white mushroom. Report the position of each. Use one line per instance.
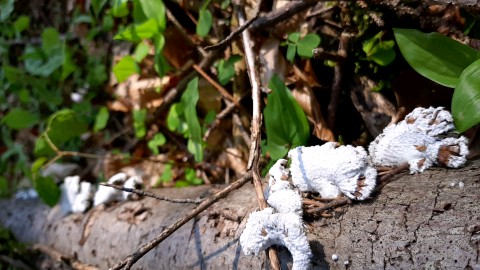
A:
(84, 198)
(330, 170)
(265, 228)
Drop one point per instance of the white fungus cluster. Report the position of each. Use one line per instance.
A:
(106, 194)
(426, 137)
(331, 170)
(77, 196)
(279, 224)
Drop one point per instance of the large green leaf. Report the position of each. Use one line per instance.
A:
(435, 56)
(48, 190)
(285, 122)
(466, 98)
(18, 118)
(63, 126)
(155, 9)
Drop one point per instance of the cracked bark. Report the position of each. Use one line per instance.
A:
(416, 221)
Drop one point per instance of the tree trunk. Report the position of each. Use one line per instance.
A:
(430, 220)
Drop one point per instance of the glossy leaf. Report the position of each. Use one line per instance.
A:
(18, 118)
(435, 56)
(466, 98)
(285, 122)
(204, 22)
(119, 8)
(125, 68)
(101, 119)
(189, 101)
(306, 45)
(48, 190)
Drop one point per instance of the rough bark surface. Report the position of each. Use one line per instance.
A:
(419, 221)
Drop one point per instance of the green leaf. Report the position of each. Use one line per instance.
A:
(383, 53)
(196, 148)
(285, 122)
(21, 23)
(51, 40)
(307, 44)
(38, 164)
(35, 63)
(204, 22)
(141, 51)
(294, 37)
(97, 5)
(157, 140)
(167, 174)
(189, 102)
(138, 32)
(68, 66)
(47, 189)
(226, 69)
(119, 8)
(62, 127)
(125, 67)
(3, 186)
(155, 10)
(101, 119)
(291, 51)
(435, 56)
(139, 117)
(191, 177)
(18, 118)
(6, 8)
(466, 98)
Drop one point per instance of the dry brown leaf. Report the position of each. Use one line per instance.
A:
(307, 100)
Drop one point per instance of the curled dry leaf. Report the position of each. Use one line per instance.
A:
(307, 100)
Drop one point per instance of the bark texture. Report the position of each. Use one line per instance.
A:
(419, 221)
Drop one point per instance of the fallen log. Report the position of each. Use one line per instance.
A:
(429, 220)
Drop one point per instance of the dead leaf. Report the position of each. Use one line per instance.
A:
(307, 100)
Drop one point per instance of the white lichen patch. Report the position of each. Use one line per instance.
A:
(425, 138)
(266, 228)
(76, 195)
(331, 170)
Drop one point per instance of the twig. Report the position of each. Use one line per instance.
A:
(59, 154)
(255, 135)
(283, 13)
(133, 258)
(151, 195)
(333, 204)
(237, 32)
(338, 78)
(386, 178)
(214, 83)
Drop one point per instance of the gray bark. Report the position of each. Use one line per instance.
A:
(417, 221)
